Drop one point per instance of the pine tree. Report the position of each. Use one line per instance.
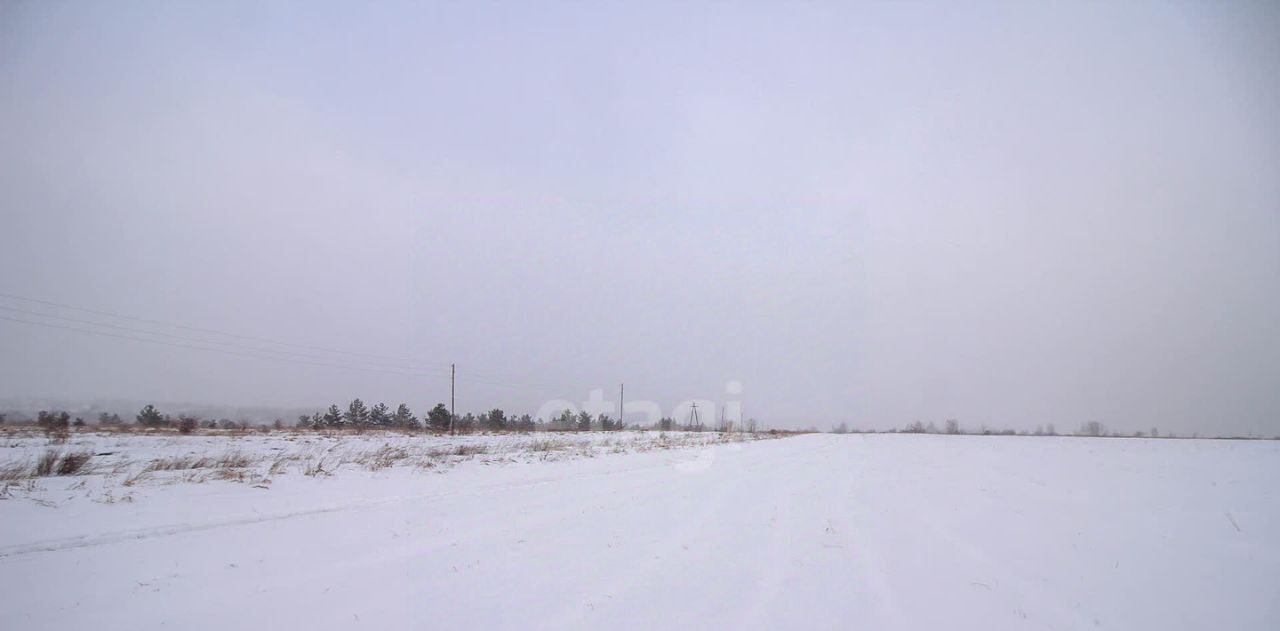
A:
(495, 420)
(403, 418)
(357, 415)
(149, 417)
(380, 416)
(438, 418)
(46, 419)
(332, 419)
(584, 421)
(466, 424)
(525, 424)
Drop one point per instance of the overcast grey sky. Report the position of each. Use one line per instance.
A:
(1011, 214)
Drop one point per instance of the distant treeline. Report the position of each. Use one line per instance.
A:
(953, 427)
(360, 417)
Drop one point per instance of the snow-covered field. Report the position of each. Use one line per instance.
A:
(620, 531)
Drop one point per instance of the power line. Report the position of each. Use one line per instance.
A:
(405, 367)
(213, 349)
(197, 329)
(247, 352)
(510, 384)
(233, 345)
(400, 363)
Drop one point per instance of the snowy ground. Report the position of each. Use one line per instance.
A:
(817, 531)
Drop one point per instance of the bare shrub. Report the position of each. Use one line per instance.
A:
(56, 425)
(1092, 428)
(187, 424)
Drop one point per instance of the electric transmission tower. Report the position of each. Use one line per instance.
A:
(695, 423)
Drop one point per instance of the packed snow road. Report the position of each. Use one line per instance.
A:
(818, 531)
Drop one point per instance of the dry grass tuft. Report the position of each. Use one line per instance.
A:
(233, 460)
(180, 463)
(137, 477)
(51, 462)
(315, 468)
(14, 471)
(280, 465)
(232, 474)
(44, 466)
(384, 457)
(75, 462)
(471, 450)
(464, 450)
(545, 445)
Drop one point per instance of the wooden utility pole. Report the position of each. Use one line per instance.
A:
(453, 380)
(622, 389)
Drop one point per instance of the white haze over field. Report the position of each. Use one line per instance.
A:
(1001, 213)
